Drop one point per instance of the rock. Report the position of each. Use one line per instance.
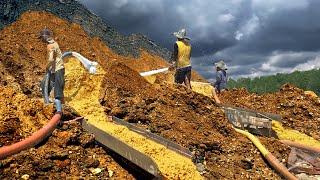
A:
(91, 163)
(25, 177)
(95, 171)
(86, 140)
(203, 146)
(246, 164)
(110, 173)
(60, 155)
(200, 167)
(46, 166)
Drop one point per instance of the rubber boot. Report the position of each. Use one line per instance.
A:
(58, 105)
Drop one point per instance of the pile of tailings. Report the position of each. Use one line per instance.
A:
(84, 98)
(299, 111)
(23, 56)
(70, 153)
(20, 116)
(189, 119)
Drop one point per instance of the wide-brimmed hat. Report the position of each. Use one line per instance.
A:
(46, 34)
(181, 34)
(221, 65)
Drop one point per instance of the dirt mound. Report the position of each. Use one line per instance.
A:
(86, 102)
(126, 79)
(20, 116)
(24, 57)
(68, 153)
(74, 11)
(298, 110)
(190, 119)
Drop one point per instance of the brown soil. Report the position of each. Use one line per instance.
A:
(299, 111)
(190, 119)
(20, 116)
(24, 56)
(68, 153)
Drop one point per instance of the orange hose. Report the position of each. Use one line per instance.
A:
(31, 141)
(301, 146)
(279, 167)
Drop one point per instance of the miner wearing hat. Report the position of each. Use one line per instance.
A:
(54, 71)
(221, 76)
(181, 58)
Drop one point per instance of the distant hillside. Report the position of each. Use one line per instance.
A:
(73, 11)
(307, 80)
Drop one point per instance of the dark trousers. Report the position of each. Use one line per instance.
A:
(54, 81)
(182, 73)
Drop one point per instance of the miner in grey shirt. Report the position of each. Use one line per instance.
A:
(221, 76)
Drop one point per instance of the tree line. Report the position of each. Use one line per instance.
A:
(306, 80)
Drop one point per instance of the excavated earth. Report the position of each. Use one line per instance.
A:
(73, 11)
(189, 119)
(69, 153)
(20, 116)
(298, 110)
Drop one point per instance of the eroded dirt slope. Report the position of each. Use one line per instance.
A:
(190, 119)
(24, 57)
(20, 116)
(298, 110)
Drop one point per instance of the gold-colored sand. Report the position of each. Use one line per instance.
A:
(311, 93)
(199, 87)
(82, 93)
(151, 79)
(31, 113)
(293, 135)
(202, 88)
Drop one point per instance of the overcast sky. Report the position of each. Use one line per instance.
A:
(254, 37)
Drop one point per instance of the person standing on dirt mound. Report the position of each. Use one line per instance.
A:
(55, 70)
(181, 59)
(221, 76)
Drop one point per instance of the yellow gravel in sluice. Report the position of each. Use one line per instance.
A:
(82, 93)
(151, 79)
(202, 88)
(293, 135)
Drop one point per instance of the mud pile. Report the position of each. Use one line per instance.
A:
(190, 119)
(298, 110)
(23, 56)
(74, 11)
(20, 116)
(86, 102)
(68, 153)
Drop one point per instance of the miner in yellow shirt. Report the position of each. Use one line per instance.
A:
(181, 58)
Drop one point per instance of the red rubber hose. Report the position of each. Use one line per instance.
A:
(31, 141)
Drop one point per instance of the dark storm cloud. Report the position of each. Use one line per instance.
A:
(254, 37)
(159, 18)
